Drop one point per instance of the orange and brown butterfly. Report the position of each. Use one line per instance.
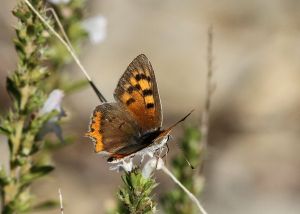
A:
(134, 122)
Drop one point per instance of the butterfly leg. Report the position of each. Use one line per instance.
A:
(157, 159)
(157, 154)
(142, 159)
(166, 146)
(168, 149)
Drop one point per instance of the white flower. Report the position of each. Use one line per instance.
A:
(53, 102)
(59, 1)
(96, 28)
(123, 166)
(151, 165)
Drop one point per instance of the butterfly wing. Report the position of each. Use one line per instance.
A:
(137, 91)
(120, 128)
(112, 128)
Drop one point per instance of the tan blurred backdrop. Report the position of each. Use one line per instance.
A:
(254, 157)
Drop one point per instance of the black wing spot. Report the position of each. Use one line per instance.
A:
(150, 105)
(147, 92)
(130, 101)
(143, 77)
(138, 77)
(130, 89)
(138, 87)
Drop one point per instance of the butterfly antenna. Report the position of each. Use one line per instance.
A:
(171, 127)
(69, 47)
(181, 120)
(60, 26)
(184, 156)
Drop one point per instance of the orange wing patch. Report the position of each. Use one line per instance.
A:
(138, 97)
(95, 132)
(137, 90)
(133, 81)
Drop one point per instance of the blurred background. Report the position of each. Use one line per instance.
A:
(253, 164)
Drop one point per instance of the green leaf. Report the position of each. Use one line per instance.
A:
(46, 205)
(13, 89)
(4, 130)
(4, 180)
(135, 196)
(36, 172)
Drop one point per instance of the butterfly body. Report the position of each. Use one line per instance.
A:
(133, 124)
(148, 143)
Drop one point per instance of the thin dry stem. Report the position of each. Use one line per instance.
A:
(209, 90)
(61, 28)
(61, 201)
(190, 195)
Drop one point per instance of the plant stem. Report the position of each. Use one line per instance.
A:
(191, 195)
(209, 90)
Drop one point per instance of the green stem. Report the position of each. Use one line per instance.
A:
(16, 139)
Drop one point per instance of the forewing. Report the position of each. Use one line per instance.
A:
(112, 128)
(137, 90)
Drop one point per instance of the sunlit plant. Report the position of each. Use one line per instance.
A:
(36, 107)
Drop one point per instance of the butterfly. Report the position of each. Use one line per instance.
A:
(133, 124)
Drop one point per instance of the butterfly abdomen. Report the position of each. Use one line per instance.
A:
(149, 137)
(141, 143)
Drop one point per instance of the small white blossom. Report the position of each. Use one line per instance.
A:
(151, 165)
(123, 166)
(53, 102)
(59, 1)
(150, 154)
(96, 28)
